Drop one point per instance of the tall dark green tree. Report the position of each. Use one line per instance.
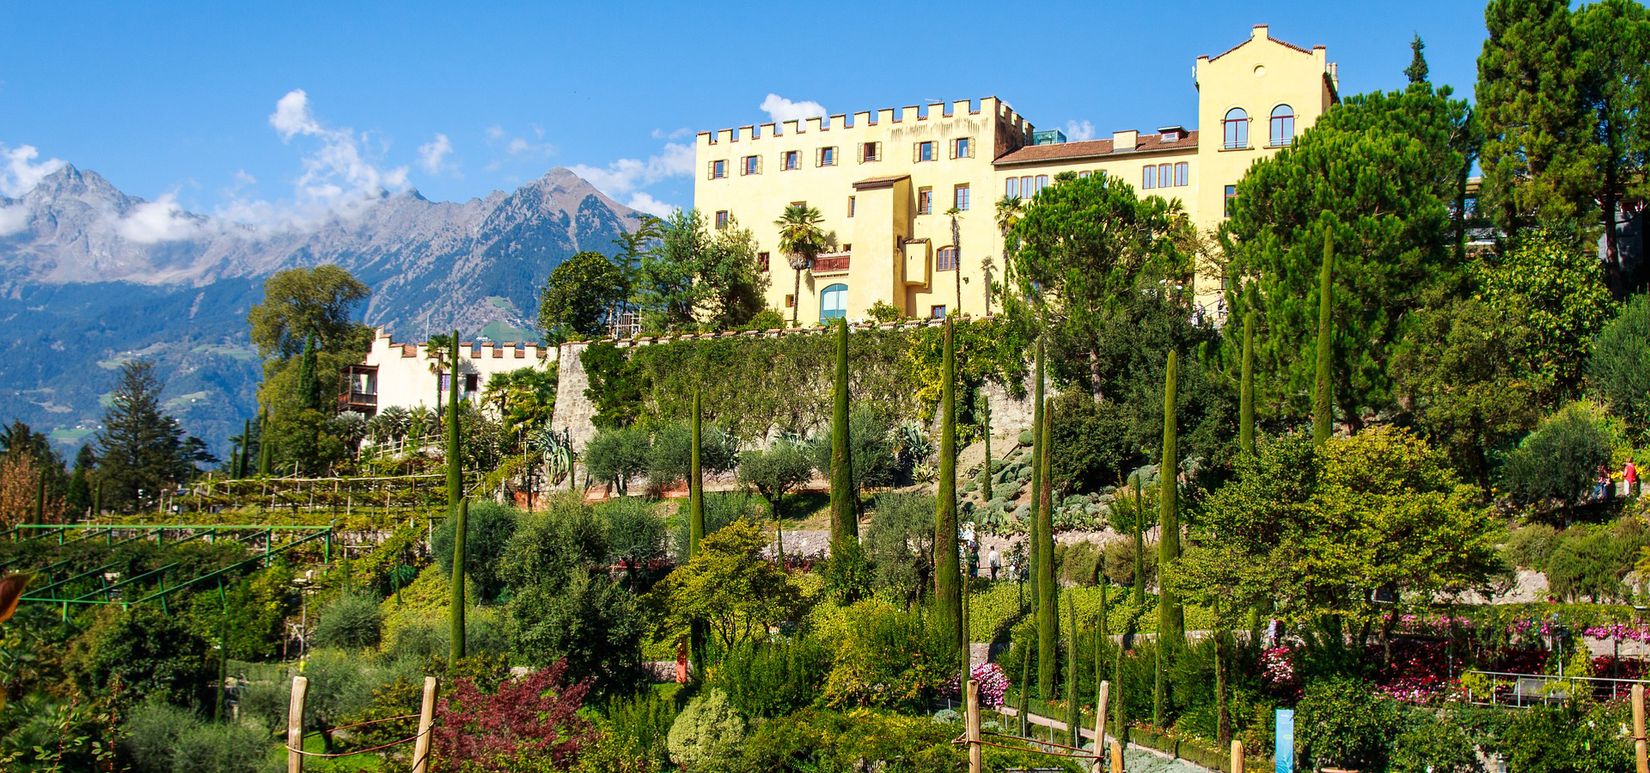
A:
(1171, 618)
(1613, 41)
(696, 482)
(1139, 543)
(1323, 405)
(243, 449)
(1246, 387)
(1048, 624)
(266, 449)
(79, 495)
(1417, 70)
(948, 597)
(1395, 234)
(844, 499)
(1074, 707)
(1538, 154)
(1037, 441)
(458, 508)
(141, 449)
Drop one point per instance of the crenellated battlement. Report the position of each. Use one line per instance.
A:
(882, 117)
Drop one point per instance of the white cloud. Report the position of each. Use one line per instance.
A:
(339, 178)
(432, 155)
(161, 220)
(519, 145)
(20, 173)
(13, 219)
(779, 109)
(645, 202)
(628, 174)
(1077, 131)
(673, 134)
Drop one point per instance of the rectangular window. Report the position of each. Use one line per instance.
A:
(1026, 191)
(1042, 182)
(1148, 181)
(790, 301)
(827, 156)
(793, 159)
(472, 382)
(959, 198)
(925, 204)
(762, 263)
(718, 169)
(945, 259)
(925, 151)
(722, 221)
(962, 147)
(870, 151)
(851, 214)
(750, 165)
(1083, 175)
(1182, 174)
(936, 312)
(1164, 177)
(1011, 189)
(1231, 198)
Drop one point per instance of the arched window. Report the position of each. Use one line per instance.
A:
(833, 302)
(1237, 128)
(1283, 125)
(945, 259)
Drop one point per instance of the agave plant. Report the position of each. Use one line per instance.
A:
(557, 450)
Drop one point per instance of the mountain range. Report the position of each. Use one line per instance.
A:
(83, 290)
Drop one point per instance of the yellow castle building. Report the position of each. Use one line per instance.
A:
(886, 182)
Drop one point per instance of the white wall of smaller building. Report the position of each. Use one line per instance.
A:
(406, 377)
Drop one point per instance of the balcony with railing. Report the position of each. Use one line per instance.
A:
(834, 263)
(359, 389)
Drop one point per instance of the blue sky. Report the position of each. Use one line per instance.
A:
(256, 111)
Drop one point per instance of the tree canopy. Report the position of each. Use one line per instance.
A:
(581, 296)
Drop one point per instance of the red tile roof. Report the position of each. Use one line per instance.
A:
(1070, 151)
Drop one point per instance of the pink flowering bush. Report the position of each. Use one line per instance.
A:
(1277, 667)
(991, 679)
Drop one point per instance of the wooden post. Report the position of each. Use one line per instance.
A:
(1117, 756)
(1237, 756)
(295, 726)
(1100, 726)
(976, 753)
(426, 717)
(1639, 743)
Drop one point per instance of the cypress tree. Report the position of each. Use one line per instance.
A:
(458, 508)
(307, 388)
(1036, 465)
(1171, 621)
(844, 508)
(1323, 407)
(1074, 707)
(1025, 692)
(265, 447)
(1119, 718)
(696, 485)
(985, 429)
(1047, 613)
(456, 632)
(1139, 545)
(246, 448)
(1102, 636)
(1246, 388)
(947, 565)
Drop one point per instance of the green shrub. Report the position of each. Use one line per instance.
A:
(1559, 461)
(1592, 561)
(151, 734)
(1119, 562)
(1529, 547)
(1342, 723)
(1432, 744)
(772, 678)
(1077, 563)
(818, 740)
(721, 509)
(488, 532)
(351, 621)
(899, 541)
(669, 458)
(1576, 737)
(708, 729)
(222, 748)
(614, 456)
(636, 731)
(1092, 444)
(635, 535)
(886, 657)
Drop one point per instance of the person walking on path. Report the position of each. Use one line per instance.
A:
(995, 561)
(1630, 476)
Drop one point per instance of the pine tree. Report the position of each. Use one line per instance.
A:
(1537, 155)
(696, 483)
(1323, 406)
(1036, 465)
(1417, 69)
(1047, 613)
(461, 527)
(141, 448)
(947, 568)
(1246, 388)
(79, 496)
(458, 507)
(844, 504)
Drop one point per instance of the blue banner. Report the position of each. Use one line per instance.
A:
(1284, 752)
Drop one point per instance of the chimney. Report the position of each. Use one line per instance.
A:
(1125, 140)
(1260, 32)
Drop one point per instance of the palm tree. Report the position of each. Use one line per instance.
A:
(439, 349)
(800, 238)
(956, 251)
(1010, 209)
